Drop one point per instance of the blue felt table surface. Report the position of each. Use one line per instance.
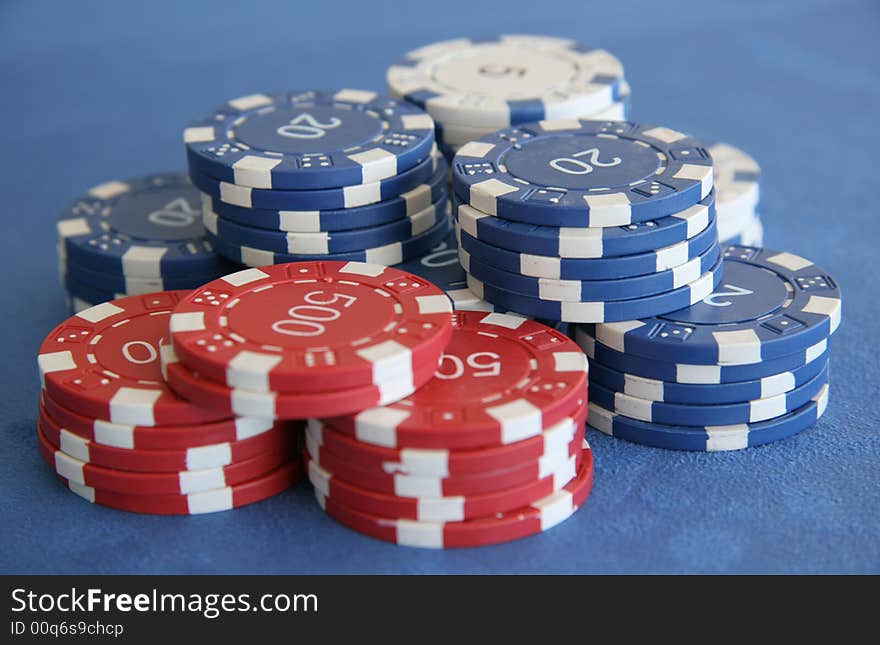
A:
(94, 91)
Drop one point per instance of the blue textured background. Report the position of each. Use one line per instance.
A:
(94, 91)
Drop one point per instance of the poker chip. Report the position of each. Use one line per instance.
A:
(714, 414)
(598, 311)
(86, 294)
(326, 243)
(316, 221)
(737, 181)
(276, 405)
(320, 199)
(152, 483)
(153, 438)
(584, 242)
(454, 134)
(692, 373)
(771, 304)
(389, 254)
(583, 173)
(104, 363)
(131, 285)
(198, 458)
(709, 438)
(313, 326)
(209, 501)
(752, 234)
(441, 267)
(535, 518)
(147, 227)
(309, 140)
(584, 290)
(708, 393)
(607, 268)
(501, 379)
(437, 509)
(444, 462)
(509, 80)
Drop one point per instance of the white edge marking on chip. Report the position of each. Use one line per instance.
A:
(110, 189)
(134, 406)
(250, 102)
(440, 509)
(378, 426)
(613, 209)
(250, 370)
(421, 534)
(519, 419)
(376, 164)
(212, 456)
(738, 347)
(246, 276)
(355, 96)
(613, 334)
(254, 171)
(731, 437)
(73, 227)
(186, 321)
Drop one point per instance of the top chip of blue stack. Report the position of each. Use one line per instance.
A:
(147, 227)
(309, 140)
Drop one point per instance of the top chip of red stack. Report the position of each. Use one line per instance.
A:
(104, 363)
(502, 379)
(311, 326)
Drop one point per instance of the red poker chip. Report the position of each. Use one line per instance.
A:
(416, 486)
(446, 463)
(171, 461)
(209, 501)
(311, 326)
(501, 379)
(439, 509)
(104, 363)
(176, 437)
(276, 405)
(503, 527)
(181, 483)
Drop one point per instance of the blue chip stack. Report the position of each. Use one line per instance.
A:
(345, 175)
(746, 366)
(472, 88)
(737, 191)
(587, 221)
(133, 237)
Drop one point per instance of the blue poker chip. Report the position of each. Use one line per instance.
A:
(441, 267)
(627, 266)
(387, 255)
(771, 304)
(708, 393)
(586, 243)
(715, 414)
(87, 292)
(146, 227)
(709, 438)
(108, 282)
(582, 290)
(309, 140)
(599, 311)
(316, 221)
(583, 173)
(689, 372)
(325, 243)
(323, 199)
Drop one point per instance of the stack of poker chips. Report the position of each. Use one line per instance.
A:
(490, 450)
(472, 88)
(134, 237)
(587, 221)
(345, 175)
(746, 366)
(737, 192)
(118, 436)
